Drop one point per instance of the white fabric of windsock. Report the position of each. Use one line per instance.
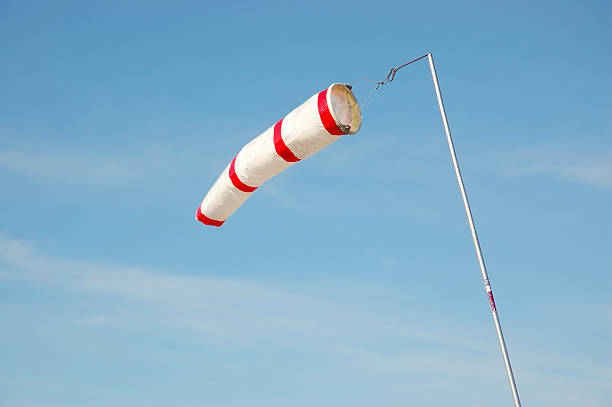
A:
(314, 125)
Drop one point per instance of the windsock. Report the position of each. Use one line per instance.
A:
(314, 125)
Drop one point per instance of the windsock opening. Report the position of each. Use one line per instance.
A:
(344, 108)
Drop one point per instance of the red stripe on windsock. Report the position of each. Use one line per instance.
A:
(326, 117)
(236, 181)
(280, 146)
(206, 220)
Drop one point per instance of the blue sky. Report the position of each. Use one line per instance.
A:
(349, 279)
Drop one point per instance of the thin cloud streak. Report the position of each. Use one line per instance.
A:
(88, 166)
(243, 313)
(229, 307)
(575, 166)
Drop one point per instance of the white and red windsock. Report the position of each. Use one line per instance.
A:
(314, 125)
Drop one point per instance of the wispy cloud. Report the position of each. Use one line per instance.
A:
(75, 166)
(592, 168)
(224, 308)
(238, 312)
(95, 320)
(87, 165)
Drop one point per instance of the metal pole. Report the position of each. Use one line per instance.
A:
(483, 269)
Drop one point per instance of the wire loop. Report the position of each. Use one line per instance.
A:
(389, 78)
(393, 71)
